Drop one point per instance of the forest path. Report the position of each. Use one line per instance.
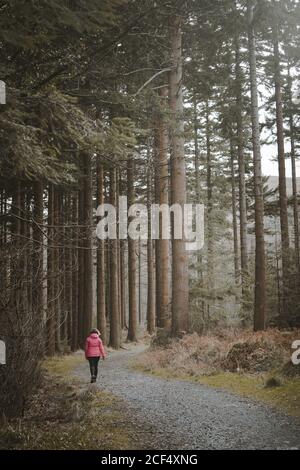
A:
(182, 415)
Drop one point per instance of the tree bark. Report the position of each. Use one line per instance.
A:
(123, 284)
(180, 288)
(260, 269)
(101, 304)
(197, 155)
(198, 193)
(285, 244)
(163, 198)
(88, 252)
(132, 291)
(150, 260)
(50, 277)
(140, 281)
(115, 334)
(81, 279)
(241, 164)
(157, 241)
(209, 191)
(294, 172)
(68, 278)
(23, 255)
(29, 251)
(38, 259)
(62, 269)
(56, 269)
(234, 214)
(74, 342)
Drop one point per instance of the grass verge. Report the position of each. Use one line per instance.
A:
(285, 395)
(68, 414)
(255, 365)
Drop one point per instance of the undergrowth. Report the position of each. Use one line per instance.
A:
(67, 414)
(251, 364)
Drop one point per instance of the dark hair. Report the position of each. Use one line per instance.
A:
(94, 330)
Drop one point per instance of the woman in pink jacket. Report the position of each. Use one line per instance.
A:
(94, 349)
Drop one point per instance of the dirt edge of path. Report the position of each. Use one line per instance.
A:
(283, 396)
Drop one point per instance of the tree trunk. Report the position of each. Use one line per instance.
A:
(74, 342)
(234, 215)
(197, 156)
(157, 243)
(24, 248)
(118, 184)
(88, 252)
(180, 287)
(198, 194)
(101, 304)
(81, 235)
(122, 269)
(115, 334)
(38, 270)
(150, 260)
(162, 259)
(260, 269)
(285, 244)
(140, 281)
(209, 190)
(241, 164)
(56, 269)
(50, 277)
(62, 269)
(3, 240)
(29, 251)
(132, 294)
(68, 278)
(294, 171)
(123, 284)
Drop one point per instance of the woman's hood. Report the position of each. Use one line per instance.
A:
(94, 335)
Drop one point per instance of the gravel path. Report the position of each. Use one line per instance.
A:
(181, 415)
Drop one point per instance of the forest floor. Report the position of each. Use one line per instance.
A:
(255, 365)
(180, 414)
(68, 413)
(128, 409)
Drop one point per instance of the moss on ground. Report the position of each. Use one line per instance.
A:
(68, 414)
(285, 396)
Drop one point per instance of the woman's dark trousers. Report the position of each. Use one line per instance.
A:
(94, 361)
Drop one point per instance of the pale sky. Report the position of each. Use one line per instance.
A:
(270, 167)
(269, 152)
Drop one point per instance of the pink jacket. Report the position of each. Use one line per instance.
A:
(94, 346)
